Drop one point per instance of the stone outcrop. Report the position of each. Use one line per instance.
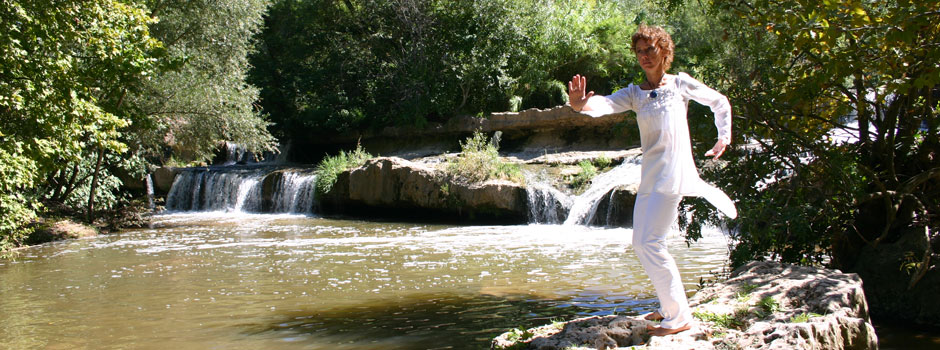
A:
(899, 279)
(409, 190)
(763, 305)
(615, 209)
(46, 230)
(554, 130)
(163, 179)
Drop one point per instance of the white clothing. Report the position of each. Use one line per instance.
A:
(668, 166)
(668, 173)
(653, 215)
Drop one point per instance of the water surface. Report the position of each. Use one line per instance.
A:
(241, 281)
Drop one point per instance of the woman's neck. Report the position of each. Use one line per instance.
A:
(655, 79)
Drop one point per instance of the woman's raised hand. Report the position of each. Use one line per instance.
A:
(577, 98)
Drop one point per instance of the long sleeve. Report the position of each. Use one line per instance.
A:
(694, 90)
(617, 102)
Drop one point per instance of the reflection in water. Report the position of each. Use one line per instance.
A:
(238, 281)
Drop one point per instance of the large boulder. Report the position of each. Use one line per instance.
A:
(398, 187)
(897, 283)
(763, 305)
(163, 180)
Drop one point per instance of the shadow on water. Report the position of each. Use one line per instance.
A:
(429, 321)
(904, 335)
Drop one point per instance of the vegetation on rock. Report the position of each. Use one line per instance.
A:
(479, 161)
(331, 166)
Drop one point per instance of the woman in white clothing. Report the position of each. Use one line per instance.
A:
(668, 170)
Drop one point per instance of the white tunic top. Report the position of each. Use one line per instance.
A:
(667, 165)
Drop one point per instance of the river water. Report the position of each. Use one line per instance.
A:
(262, 281)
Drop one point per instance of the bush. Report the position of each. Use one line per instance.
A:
(583, 178)
(479, 161)
(330, 167)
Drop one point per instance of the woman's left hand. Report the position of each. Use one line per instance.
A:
(718, 149)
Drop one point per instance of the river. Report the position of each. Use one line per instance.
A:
(213, 280)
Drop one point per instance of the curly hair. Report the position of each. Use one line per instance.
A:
(658, 37)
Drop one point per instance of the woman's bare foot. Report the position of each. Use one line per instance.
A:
(660, 331)
(653, 316)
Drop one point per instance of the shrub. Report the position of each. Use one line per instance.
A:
(330, 167)
(479, 161)
(583, 178)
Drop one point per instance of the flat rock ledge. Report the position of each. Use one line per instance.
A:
(763, 305)
(412, 190)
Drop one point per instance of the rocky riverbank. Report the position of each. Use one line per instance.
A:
(763, 305)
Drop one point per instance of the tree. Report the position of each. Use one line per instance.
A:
(199, 98)
(66, 68)
(327, 66)
(803, 72)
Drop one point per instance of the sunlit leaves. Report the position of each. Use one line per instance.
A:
(64, 68)
(813, 67)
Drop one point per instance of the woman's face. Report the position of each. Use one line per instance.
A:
(649, 56)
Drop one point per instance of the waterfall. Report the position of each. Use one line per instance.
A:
(547, 205)
(209, 190)
(294, 193)
(585, 206)
(148, 181)
(243, 190)
(234, 153)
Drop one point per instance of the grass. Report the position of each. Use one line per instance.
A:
(479, 161)
(768, 305)
(583, 178)
(721, 320)
(331, 166)
(517, 336)
(589, 169)
(803, 317)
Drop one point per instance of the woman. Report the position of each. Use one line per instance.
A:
(668, 170)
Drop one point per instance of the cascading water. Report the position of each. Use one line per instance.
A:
(584, 206)
(547, 205)
(243, 190)
(294, 193)
(209, 190)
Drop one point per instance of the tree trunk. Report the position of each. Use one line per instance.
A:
(94, 186)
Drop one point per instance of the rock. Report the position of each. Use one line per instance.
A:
(534, 130)
(48, 231)
(888, 282)
(763, 305)
(616, 207)
(163, 180)
(269, 186)
(398, 186)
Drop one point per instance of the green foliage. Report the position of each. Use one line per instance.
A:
(518, 337)
(767, 306)
(326, 66)
(331, 166)
(727, 321)
(479, 161)
(199, 98)
(88, 89)
(800, 70)
(580, 180)
(803, 317)
(67, 67)
(603, 162)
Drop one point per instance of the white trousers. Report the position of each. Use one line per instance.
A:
(653, 216)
